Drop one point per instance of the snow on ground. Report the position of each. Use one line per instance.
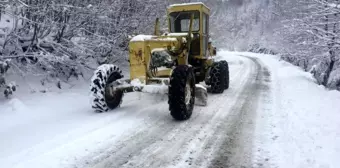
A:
(299, 126)
(296, 124)
(59, 129)
(46, 129)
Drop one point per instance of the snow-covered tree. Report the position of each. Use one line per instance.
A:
(310, 33)
(63, 39)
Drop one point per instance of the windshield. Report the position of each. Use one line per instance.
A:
(180, 21)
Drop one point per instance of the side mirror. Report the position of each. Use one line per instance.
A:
(214, 51)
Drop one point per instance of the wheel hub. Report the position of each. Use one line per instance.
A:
(110, 95)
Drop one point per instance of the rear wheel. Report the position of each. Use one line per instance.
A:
(102, 98)
(226, 78)
(182, 93)
(217, 77)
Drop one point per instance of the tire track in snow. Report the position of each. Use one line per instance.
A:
(181, 139)
(236, 147)
(155, 134)
(199, 150)
(162, 142)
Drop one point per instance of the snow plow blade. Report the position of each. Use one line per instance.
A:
(201, 95)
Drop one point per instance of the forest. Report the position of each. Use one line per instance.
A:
(59, 40)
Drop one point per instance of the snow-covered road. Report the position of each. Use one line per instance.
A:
(234, 130)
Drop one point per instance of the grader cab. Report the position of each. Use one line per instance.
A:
(175, 63)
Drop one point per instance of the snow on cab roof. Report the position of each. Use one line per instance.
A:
(185, 4)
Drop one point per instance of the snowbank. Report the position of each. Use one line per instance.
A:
(56, 129)
(299, 125)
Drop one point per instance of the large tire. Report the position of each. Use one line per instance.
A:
(182, 93)
(217, 77)
(226, 78)
(101, 100)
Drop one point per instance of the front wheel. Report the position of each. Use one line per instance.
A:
(182, 93)
(102, 98)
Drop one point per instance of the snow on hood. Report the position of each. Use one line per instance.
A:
(142, 37)
(151, 37)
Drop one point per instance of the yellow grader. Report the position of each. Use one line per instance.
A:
(175, 63)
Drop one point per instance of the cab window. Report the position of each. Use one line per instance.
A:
(180, 21)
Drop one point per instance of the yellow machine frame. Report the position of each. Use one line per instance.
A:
(174, 63)
(140, 50)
